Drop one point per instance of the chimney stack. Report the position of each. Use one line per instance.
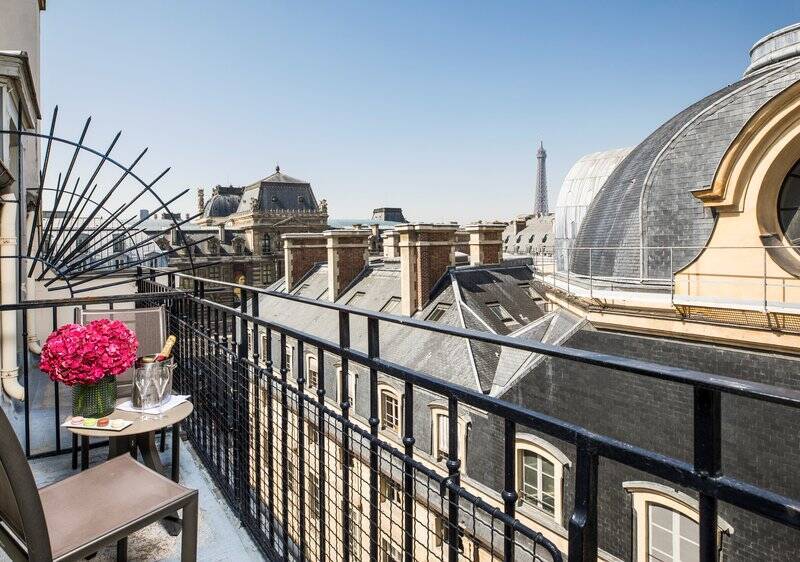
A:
(374, 238)
(348, 255)
(462, 241)
(485, 243)
(426, 252)
(390, 240)
(301, 251)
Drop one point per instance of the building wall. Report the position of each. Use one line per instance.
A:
(20, 31)
(658, 416)
(478, 545)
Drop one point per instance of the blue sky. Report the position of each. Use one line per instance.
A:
(437, 107)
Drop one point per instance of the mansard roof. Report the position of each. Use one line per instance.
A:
(278, 192)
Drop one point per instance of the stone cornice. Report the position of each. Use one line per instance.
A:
(15, 65)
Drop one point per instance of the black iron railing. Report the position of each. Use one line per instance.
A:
(311, 483)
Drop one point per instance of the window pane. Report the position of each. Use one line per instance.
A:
(689, 551)
(689, 529)
(660, 543)
(788, 203)
(547, 484)
(444, 435)
(661, 516)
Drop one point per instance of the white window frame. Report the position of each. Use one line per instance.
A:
(646, 494)
(352, 381)
(531, 443)
(313, 497)
(262, 359)
(385, 390)
(289, 361)
(439, 415)
(311, 387)
(390, 550)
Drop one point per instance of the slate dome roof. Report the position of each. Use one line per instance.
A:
(647, 200)
(581, 184)
(223, 202)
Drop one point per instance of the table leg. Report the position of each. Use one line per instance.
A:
(122, 550)
(176, 452)
(146, 443)
(84, 452)
(118, 446)
(74, 452)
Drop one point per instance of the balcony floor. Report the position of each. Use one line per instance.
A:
(220, 536)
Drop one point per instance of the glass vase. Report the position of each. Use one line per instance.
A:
(95, 400)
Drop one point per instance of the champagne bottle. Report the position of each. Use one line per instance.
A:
(166, 351)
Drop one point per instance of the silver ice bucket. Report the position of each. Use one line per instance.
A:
(152, 370)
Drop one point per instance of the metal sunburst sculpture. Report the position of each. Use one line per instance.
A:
(61, 255)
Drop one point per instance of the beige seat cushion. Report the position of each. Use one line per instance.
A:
(103, 499)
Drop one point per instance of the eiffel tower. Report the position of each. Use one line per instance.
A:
(540, 206)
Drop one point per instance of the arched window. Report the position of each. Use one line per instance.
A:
(540, 475)
(666, 523)
(390, 404)
(789, 206)
(440, 435)
(352, 382)
(312, 372)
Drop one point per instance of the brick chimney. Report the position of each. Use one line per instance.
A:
(301, 251)
(462, 241)
(426, 251)
(374, 238)
(390, 240)
(485, 243)
(348, 255)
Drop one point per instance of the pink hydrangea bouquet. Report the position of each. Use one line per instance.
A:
(76, 354)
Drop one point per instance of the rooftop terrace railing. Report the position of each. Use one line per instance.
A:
(295, 468)
(759, 278)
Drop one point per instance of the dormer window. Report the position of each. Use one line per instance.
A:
(502, 314)
(301, 199)
(238, 246)
(438, 311)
